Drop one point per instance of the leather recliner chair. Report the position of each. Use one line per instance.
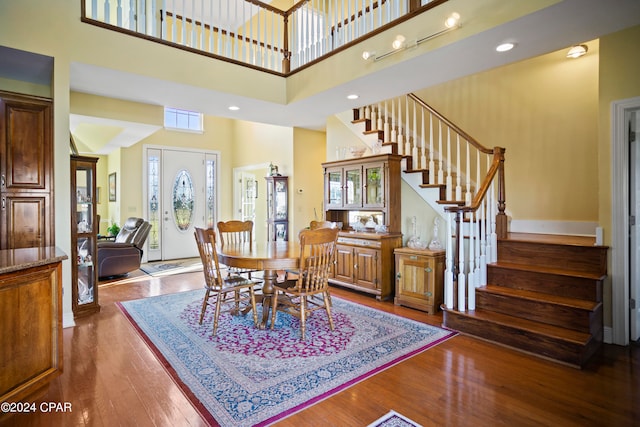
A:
(123, 255)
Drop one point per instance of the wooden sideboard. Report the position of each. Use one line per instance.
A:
(30, 321)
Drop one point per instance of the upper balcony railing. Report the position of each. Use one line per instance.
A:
(253, 33)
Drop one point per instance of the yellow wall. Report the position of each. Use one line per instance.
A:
(544, 111)
(307, 187)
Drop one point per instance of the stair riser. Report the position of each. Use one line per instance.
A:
(585, 259)
(542, 311)
(573, 354)
(566, 286)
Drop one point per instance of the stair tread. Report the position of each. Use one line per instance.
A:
(569, 335)
(553, 239)
(548, 270)
(540, 296)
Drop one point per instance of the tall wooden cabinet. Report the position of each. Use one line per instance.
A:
(84, 231)
(277, 208)
(26, 172)
(367, 187)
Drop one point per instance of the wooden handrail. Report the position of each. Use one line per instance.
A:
(452, 125)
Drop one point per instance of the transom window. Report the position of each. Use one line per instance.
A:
(177, 119)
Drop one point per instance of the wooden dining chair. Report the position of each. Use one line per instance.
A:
(322, 224)
(317, 253)
(236, 232)
(233, 291)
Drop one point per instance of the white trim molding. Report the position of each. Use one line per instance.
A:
(620, 220)
(570, 228)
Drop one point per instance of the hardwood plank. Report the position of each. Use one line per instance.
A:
(112, 378)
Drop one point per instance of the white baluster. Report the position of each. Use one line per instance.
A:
(448, 273)
(107, 12)
(432, 163)
(458, 169)
(119, 14)
(471, 279)
(483, 245)
(462, 283)
(400, 130)
(449, 189)
(440, 165)
(394, 132)
(414, 149)
(494, 236)
(94, 9)
(423, 157)
(386, 123)
(380, 125)
(407, 140)
(374, 118)
(467, 196)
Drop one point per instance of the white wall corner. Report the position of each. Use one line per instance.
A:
(67, 320)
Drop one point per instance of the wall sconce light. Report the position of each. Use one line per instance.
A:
(577, 51)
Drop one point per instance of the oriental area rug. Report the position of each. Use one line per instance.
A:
(250, 377)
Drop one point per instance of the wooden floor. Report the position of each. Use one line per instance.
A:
(112, 379)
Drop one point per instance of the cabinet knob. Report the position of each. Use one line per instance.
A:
(428, 294)
(428, 270)
(2, 180)
(398, 276)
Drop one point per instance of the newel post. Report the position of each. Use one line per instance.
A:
(501, 217)
(286, 59)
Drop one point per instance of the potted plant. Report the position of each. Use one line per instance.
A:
(113, 229)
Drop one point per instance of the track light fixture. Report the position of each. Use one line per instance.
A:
(400, 43)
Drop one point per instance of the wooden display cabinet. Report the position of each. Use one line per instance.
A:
(277, 208)
(84, 236)
(420, 278)
(367, 184)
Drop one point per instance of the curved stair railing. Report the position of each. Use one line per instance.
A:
(469, 175)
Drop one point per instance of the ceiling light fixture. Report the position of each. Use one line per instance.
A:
(234, 108)
(353, 96)
(577, 51)
(505, 47)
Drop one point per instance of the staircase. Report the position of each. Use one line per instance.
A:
(541, 294)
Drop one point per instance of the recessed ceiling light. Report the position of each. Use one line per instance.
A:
(504, 47)
(352, 96)
(234, 108)
(577, 51)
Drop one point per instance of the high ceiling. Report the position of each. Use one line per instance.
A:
(556, 27)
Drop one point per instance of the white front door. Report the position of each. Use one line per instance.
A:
(183, 202)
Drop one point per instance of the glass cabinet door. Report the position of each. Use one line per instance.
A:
(374, 185)
(353, 187)
(281, 205)
(334, 188)
(84, 235)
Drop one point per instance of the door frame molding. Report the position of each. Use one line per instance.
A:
(620, 251)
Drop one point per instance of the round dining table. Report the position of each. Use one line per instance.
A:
(269, 257)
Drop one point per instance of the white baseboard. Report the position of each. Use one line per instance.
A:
(571, 228)
(608, 335)
(67, 320)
